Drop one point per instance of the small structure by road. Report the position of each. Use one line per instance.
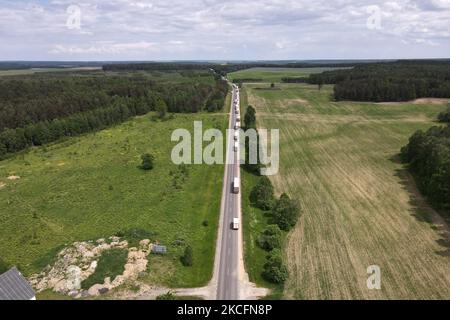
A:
(159, 249)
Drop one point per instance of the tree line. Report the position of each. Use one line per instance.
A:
(282, 213)
(221, 69)
(242, 80)
(428, 156)
(250, 123)
(392, 81)
(36, 112)
(294, 80)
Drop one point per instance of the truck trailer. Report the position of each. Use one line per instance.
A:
(235, 224)
(236, 185)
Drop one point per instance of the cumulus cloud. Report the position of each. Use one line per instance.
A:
(101, 48)
(218, 29)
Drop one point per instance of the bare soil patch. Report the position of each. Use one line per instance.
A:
(433, 101)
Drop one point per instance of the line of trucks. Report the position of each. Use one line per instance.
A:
(237, 125)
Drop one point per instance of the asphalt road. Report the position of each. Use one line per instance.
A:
(228, 278)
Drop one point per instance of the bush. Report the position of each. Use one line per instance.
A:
(274, 270)
(147, 161)
(187, 259)
(250, 118)
(166, 296)
(111, 264)
(160, 108)
(262, 194)
(135, 235)
(444, 116)
(270, 238)
(286, 212)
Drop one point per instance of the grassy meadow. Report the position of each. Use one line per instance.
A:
(91, 186)
(360, 206)
(21, 72)
(275, 74)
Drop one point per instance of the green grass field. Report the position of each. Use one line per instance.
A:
(275, 74)
(91, 187)
(21, 72)
(359, 204)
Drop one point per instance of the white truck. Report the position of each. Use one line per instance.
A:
(236, 146)
(236, 135)
(236, 184)
(237, 125)
(235, 224)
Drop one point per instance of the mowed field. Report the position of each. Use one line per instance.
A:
(360, 207)
(275, 74)
(91, 187)
(20, 72)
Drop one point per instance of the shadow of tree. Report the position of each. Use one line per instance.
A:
(422, 211)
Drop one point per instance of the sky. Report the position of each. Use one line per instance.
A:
(223, 30)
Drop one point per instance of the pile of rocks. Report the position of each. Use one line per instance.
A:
(78, 261)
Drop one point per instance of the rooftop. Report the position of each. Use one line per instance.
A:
(14, 286)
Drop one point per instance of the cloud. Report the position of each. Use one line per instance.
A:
(101, 48)
(218, 29)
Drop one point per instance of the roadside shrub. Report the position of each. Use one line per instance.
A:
(286, 212)
(147, 161)
(262, 194)
(187, 259)
(270, 238)
(250, 118)
(166, 296)
(274, 270)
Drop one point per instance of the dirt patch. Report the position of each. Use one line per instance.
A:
(433, 101)
(13, 178)
(78, 261)
(2, 185)
(294, 102)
